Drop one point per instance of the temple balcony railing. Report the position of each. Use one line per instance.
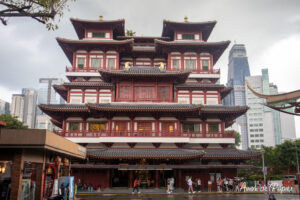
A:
(199, 71)
(71, 69)
(182, 134)
(150, 100)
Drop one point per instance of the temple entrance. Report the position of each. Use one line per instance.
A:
(146, 178)
(120, 178)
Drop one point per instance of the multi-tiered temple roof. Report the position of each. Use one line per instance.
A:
(147, 103)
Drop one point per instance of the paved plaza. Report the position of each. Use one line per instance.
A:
(215, 196)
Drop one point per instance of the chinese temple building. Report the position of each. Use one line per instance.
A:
(147, 107)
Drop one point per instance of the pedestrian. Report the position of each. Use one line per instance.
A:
(230, 185)
(172, 182)
(62, 190)
(209, 183)
(168, 185)
(190, 184)
(135, 186)
(68, 192)
(219, 181)
(198, 185)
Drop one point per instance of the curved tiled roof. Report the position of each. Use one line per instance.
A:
(118, 26)
(144, 153)
(223, 109)
(144, 72)
(70, 46)
(205, 27)
(89, 84)
(216, 49)
(230, 154)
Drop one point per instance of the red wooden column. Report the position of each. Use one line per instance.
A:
(178, 126)
(17, 175)
(108, 178)
(204, 96)
(179, 177)
(130, 184)
(156, 127)
(84, 128)
(182, 61)
(156, 179)
(98, 95)
(109, 127)
(190, 95)
(204, 128)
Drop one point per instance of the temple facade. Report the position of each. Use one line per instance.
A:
(147, 107)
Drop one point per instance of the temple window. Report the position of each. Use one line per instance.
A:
(190, 64)
(167, 127)
(96, 63)
(213, 127)
(163, 93)
(205, 64)
(74, 126)
(98, 34)
(124, 92)
(175, 63)
(212, 99)
(97, 126)
(80, 62)
(187, 36)
(190, 127)
(111, 63)
(144, 126)
(144, 93)
(121, 126)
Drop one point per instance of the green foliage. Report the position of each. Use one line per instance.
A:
(130, 32)
(12, 122)
(237, 138)
(43, 11)
(280, 160)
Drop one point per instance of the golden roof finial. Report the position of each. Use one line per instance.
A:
(186, 19)
(101, 17)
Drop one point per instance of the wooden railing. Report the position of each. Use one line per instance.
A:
(185, 134)
(143, 100)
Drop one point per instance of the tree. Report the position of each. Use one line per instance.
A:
(237, 139)
(130, 32)
(12, 122)
(42, 11)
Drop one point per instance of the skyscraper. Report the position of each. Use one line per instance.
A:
(17, 106)
(238, 69)
(4, 107)
(266, 126)
(47, 95)
(30, 104)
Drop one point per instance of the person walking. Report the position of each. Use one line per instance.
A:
(168, 185)
(198, 189)
(172, 182)
(190, 184)
(135, 186)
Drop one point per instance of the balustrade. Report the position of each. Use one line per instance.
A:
(186, 134)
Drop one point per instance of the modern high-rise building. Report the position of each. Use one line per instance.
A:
(17, 106)
(47, 95)
(238, 69)
(4, 107)
(30, 105)
(266, 126)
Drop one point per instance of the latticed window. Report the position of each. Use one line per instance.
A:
(190, 64)
(188, 36)
(144, 92)
(121, 126)
(124, 92)
(73, 126)
(167, 127)
(205, 65)
(98, 34)
(80, 63)
(144, 126)
(190, 127)
(163, 93)
(213, 127)
(111, 63)
(95, 63)
(97, 126)
(175, 63)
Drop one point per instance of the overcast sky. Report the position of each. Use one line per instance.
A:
(270, 29)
